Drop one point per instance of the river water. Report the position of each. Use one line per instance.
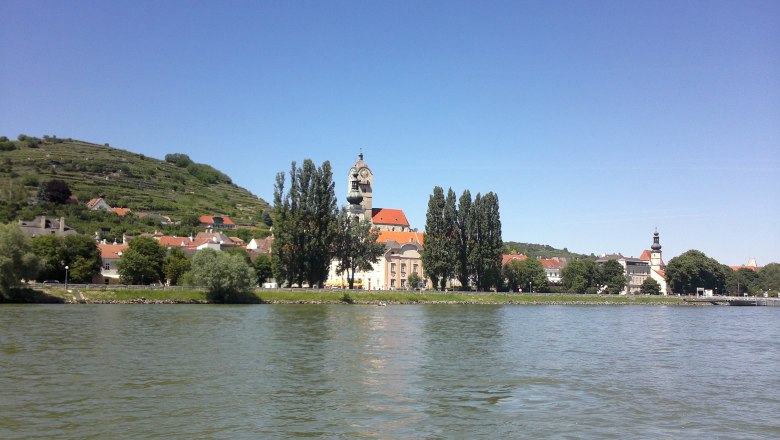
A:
(424, 371)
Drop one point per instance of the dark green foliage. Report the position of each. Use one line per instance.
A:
(227, 277)
(540, 251)
(305, 218)
(413, 280)
(355, 246)
(30, 180)
(742, 280)
(611, 275)
(267, 219)
(241, 252)
(7, 146)
(52, 255)
(435, 254)
(650, 287)
(143, 262)
(464, 244)
(580, 276)
(55, 191)
(175, 266)
(769, 277)
(691, 270)
(179, 159)
(263, 268)
(83, 258)
(17, 260)
(527, 274)
(485, 235)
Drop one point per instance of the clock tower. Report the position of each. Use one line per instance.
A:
(360, 175)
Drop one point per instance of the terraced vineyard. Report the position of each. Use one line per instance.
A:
(126, 179)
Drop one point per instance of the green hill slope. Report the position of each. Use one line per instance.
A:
(541, 250)
(178, 190)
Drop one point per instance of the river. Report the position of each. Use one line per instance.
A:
(408, 371)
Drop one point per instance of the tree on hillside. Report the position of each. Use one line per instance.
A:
(611, 275)
(650, 287)
(227, 277)
(435, 253)
(355, 246)
(55, 191)
(463, 239)
(693, 269)
(17, 261)
(176, 265)
(305, 218)
(142, 262)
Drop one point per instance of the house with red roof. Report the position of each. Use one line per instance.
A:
(110, 254)
(217, 222)
(387, 219)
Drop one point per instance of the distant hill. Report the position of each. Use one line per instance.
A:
(541, 250)
(176, 187)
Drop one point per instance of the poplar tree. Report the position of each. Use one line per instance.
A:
(450, 238)
(485, 234)
(304, 228)
(434, 255)
(463, 239)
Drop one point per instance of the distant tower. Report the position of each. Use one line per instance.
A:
(361, 173)
(655, 255)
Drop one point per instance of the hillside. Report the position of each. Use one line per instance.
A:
(179, 188)
(541, 250)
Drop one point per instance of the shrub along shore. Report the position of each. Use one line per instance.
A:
(306, 296)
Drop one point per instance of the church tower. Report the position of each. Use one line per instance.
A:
(361, 175)
(655, 254)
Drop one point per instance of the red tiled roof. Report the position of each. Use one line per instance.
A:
(645, 255)
(736, 268)
(93, 202)
(209, 219)
(111, 251)
(509, 257)
(386, 216)
(661, 272)
(550, 263)
(121, 211)
(173, 241)
(401, 237)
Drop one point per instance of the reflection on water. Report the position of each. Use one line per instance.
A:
(114, 371)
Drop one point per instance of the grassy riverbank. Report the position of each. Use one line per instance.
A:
(300, 296)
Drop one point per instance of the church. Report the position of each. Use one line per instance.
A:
(403, 247)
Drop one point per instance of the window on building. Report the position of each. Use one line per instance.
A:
(403, 284)
(392, 284)
(403, 269)
(107, 266)
(414, 268)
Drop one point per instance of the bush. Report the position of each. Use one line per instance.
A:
(347, 298)
(7, 146)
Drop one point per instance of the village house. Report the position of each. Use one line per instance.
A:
(41, 225)
(216, 222)
(110, 255)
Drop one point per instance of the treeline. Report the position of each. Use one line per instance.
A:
(463, 240)
(693, 269)
(204, 173)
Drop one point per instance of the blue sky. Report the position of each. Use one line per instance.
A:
(594, 122)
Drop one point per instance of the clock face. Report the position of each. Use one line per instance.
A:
(364, 173)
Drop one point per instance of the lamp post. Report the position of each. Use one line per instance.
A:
(530, 287)
(66, 277)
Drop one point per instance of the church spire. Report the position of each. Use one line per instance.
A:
(656, 244)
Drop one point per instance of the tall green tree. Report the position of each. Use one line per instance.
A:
(17, 260)
(742, 281)
(304, 229)
(693, 269)
(227, 277)
(612, 276)
(485, 233)
(464, 242)
(142, 262)
(176, 265)
(450, 225)
(435, 251)
(355, 247)
(512, 275)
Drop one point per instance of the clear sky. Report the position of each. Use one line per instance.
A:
(593, 121)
